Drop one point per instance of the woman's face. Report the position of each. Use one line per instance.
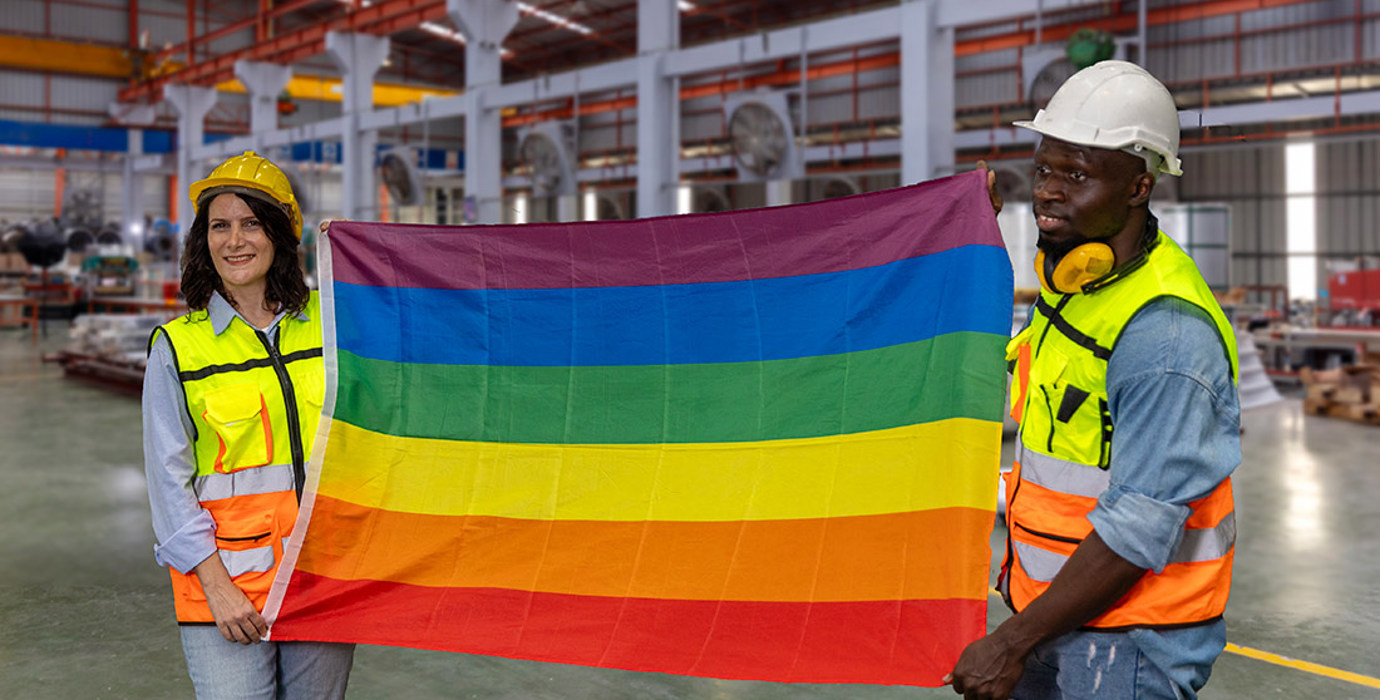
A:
(239, 244)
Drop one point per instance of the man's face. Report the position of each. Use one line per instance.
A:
(1081, 193)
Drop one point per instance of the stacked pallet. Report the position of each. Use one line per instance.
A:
(1348, 392)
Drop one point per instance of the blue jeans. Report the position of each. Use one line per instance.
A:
(222, 670)
(1096, 665)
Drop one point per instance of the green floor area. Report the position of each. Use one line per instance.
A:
(86, 613)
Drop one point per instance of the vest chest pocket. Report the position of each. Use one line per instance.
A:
(239, 416)
(1079, 425)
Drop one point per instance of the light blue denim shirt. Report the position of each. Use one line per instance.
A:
(1177, 436)
(184, 532)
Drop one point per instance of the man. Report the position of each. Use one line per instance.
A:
(1119, 507)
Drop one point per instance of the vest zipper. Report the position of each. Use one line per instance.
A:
(1049, 408)
(1004, 576)
(299, 469)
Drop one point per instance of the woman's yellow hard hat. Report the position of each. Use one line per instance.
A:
(252, 175)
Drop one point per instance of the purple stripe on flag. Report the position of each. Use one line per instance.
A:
(927, 218)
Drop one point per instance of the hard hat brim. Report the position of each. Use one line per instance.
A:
(203, 191)
(1092, 140)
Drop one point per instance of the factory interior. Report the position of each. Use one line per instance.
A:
(472, 112)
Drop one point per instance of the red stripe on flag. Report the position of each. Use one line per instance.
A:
(911, 642)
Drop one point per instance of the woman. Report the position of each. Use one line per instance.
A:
(232, 397)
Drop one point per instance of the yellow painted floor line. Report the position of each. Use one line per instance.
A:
(6, 378)
(1286, 662)
(1305, 666)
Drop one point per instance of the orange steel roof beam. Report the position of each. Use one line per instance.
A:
(381, 18)
(1119, 22)
(394, 15)
(233, 27)
(1180, 13)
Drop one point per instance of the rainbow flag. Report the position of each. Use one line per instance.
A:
(756, 445)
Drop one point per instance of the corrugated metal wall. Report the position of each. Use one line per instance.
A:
(1348, 199)
(23, 17)
(97, 23)
(1210, 53)
(27, 194)
(1251, 182)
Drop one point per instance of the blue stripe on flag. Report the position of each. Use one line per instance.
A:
(740, 321)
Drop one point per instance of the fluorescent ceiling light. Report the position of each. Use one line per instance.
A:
(686, 6)
(447, 33)
(443, 32)
(554, 18)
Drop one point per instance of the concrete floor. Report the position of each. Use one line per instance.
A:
(85, 612)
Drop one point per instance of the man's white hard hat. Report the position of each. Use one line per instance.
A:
(1116, 105)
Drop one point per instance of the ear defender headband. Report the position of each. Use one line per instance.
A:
(1087, 263)
(1089, 266)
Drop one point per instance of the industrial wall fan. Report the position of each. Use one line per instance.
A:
(711, 199)
(1047, 80)
(1013, 184)
(608, 207)
(1046, 69)
(547, 150)
(762, 137)
(399, 174)
(837, 186)
(81, 208)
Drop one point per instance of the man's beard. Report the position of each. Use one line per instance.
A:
(1054, 250)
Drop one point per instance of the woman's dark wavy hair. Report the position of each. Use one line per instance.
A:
(286, 284)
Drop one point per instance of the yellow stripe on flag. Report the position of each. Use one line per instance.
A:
(886, 471)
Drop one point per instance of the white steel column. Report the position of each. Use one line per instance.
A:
(484, 23)
(927, 93)
(192, 103)
(658, 108)
(778, 192)
(134, 116)
(359, 57)
(264, 81)
(568, 207)
(130, 189)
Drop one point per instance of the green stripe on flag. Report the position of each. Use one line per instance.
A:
(950, 376)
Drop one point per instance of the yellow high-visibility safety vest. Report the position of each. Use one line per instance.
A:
(254, 406)
(1059, 398)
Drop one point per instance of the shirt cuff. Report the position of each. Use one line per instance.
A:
(190, 545)
(1138, 528)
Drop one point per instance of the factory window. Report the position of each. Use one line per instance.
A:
(1301, 219)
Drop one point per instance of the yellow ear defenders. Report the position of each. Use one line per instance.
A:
(1086, 263)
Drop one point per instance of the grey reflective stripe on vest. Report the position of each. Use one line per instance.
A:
(1208, 543)
(1039, 564)
(246, 560)
(1198, 544)
(245, 482)
(1061, 475)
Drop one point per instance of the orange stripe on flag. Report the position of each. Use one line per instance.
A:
(933, 554)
